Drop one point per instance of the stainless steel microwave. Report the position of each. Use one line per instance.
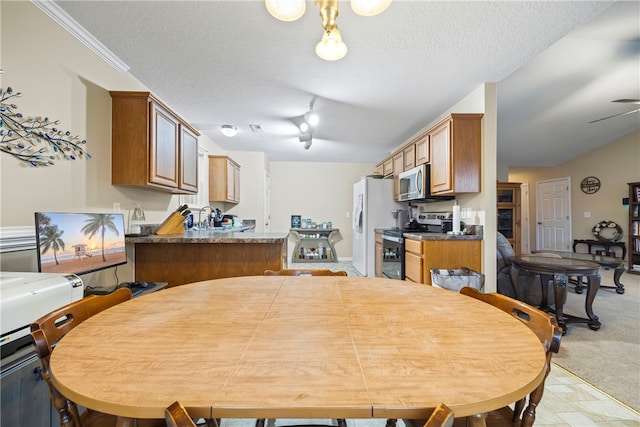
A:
(415, 184)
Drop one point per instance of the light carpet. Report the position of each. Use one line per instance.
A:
(610, 357)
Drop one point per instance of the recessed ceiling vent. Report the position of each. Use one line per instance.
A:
(257, 129)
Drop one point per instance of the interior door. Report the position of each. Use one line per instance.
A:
(553, 212)
(267, 202)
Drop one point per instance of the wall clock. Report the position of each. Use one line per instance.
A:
(590, 185)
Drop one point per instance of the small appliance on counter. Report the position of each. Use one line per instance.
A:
(230, 220)
(438, 222)
(27, 296)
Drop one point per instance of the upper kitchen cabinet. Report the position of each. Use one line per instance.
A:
(151, 145)
(224, 179)
(409, 157)
(456, 154)
(422, 150)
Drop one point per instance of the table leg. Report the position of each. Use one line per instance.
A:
(514, 281)
(478, 420)
(125, 422)
(559, 295)
(593, 284)
(617, 273)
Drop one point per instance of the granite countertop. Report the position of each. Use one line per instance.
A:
(476, 232)
(232, 235)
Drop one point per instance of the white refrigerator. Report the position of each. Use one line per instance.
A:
(372, 206)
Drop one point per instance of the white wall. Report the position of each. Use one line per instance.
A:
(320, 191)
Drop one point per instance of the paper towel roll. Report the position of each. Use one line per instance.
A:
(456, 219)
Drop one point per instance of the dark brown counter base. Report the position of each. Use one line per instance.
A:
(181, 263)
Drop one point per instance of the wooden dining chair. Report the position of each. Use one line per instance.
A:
(177, 416)
(49, 329)
(548, 332)
(442, 416)
(304, 272)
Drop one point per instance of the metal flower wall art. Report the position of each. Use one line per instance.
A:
(35, 140)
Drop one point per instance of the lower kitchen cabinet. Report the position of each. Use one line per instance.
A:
(413, 261)
(379, 253)
(423, 255)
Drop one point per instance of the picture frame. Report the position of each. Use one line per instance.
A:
(296, 221)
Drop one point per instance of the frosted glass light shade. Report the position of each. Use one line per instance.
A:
(369, 7)
(229, 130)
(331, 47)
(286, 10)
(312, 118)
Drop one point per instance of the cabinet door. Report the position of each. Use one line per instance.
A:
(409, 157)
(440, 140)
(413, 261)
(236, 184)
(231, 178)
(422, 151)
(379, 253)
(188, 160)
(387, 167)
(398, 163)
(163, 167)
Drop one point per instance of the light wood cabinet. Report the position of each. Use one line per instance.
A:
(509, 204)
(455, 145)
(151, 146)
(409, 157)
(413, 261)
(421, 256)
(224, 179)
(422, 150)
(634, 228)
(387, 167)
(379, 253)
(398, 163)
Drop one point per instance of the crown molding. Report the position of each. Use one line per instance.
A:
(78, 31)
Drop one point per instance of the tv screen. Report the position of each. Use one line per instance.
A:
(79, 243)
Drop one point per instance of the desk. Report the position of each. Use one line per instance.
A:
(299, 347)
(605, 244)
(559, 269)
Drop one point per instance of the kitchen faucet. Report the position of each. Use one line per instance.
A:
(206, 224)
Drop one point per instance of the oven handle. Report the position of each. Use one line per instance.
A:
(393, 238)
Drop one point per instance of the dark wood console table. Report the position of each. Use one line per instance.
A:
(559, 269)
(606, 245)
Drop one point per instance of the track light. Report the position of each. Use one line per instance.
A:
(331, 47)
(307, 145)
(229, 130)
(312, 118)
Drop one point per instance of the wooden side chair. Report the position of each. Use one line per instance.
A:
(442, 416)
(49, 329)
(548, 332)
(304, 272)
(177, 416)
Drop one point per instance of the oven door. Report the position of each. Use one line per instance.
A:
(392, 256)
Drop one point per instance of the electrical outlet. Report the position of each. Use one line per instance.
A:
(587, 214)
(116, 207)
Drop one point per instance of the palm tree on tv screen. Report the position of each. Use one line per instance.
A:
(99, 223)
(51, 238)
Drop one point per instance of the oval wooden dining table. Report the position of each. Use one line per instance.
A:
(298, 347)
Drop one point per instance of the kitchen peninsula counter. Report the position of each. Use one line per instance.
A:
(207, 254)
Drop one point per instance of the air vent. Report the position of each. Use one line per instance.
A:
(257, 129)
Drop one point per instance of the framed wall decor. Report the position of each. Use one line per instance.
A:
(590, 185)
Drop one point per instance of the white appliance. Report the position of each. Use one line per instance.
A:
(372, 208)
(25, 297)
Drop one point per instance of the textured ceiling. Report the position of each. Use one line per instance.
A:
(230, 62)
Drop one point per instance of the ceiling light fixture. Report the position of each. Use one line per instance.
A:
(331, 47)
(229, 130)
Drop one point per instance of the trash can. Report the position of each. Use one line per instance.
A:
(454, 280)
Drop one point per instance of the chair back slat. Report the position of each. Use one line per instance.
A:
(442, 416)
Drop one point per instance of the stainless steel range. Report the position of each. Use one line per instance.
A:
(393, 240)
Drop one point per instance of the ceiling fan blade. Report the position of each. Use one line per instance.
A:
(616, 115)
(627, 101)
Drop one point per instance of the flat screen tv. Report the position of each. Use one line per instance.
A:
(79, 243)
